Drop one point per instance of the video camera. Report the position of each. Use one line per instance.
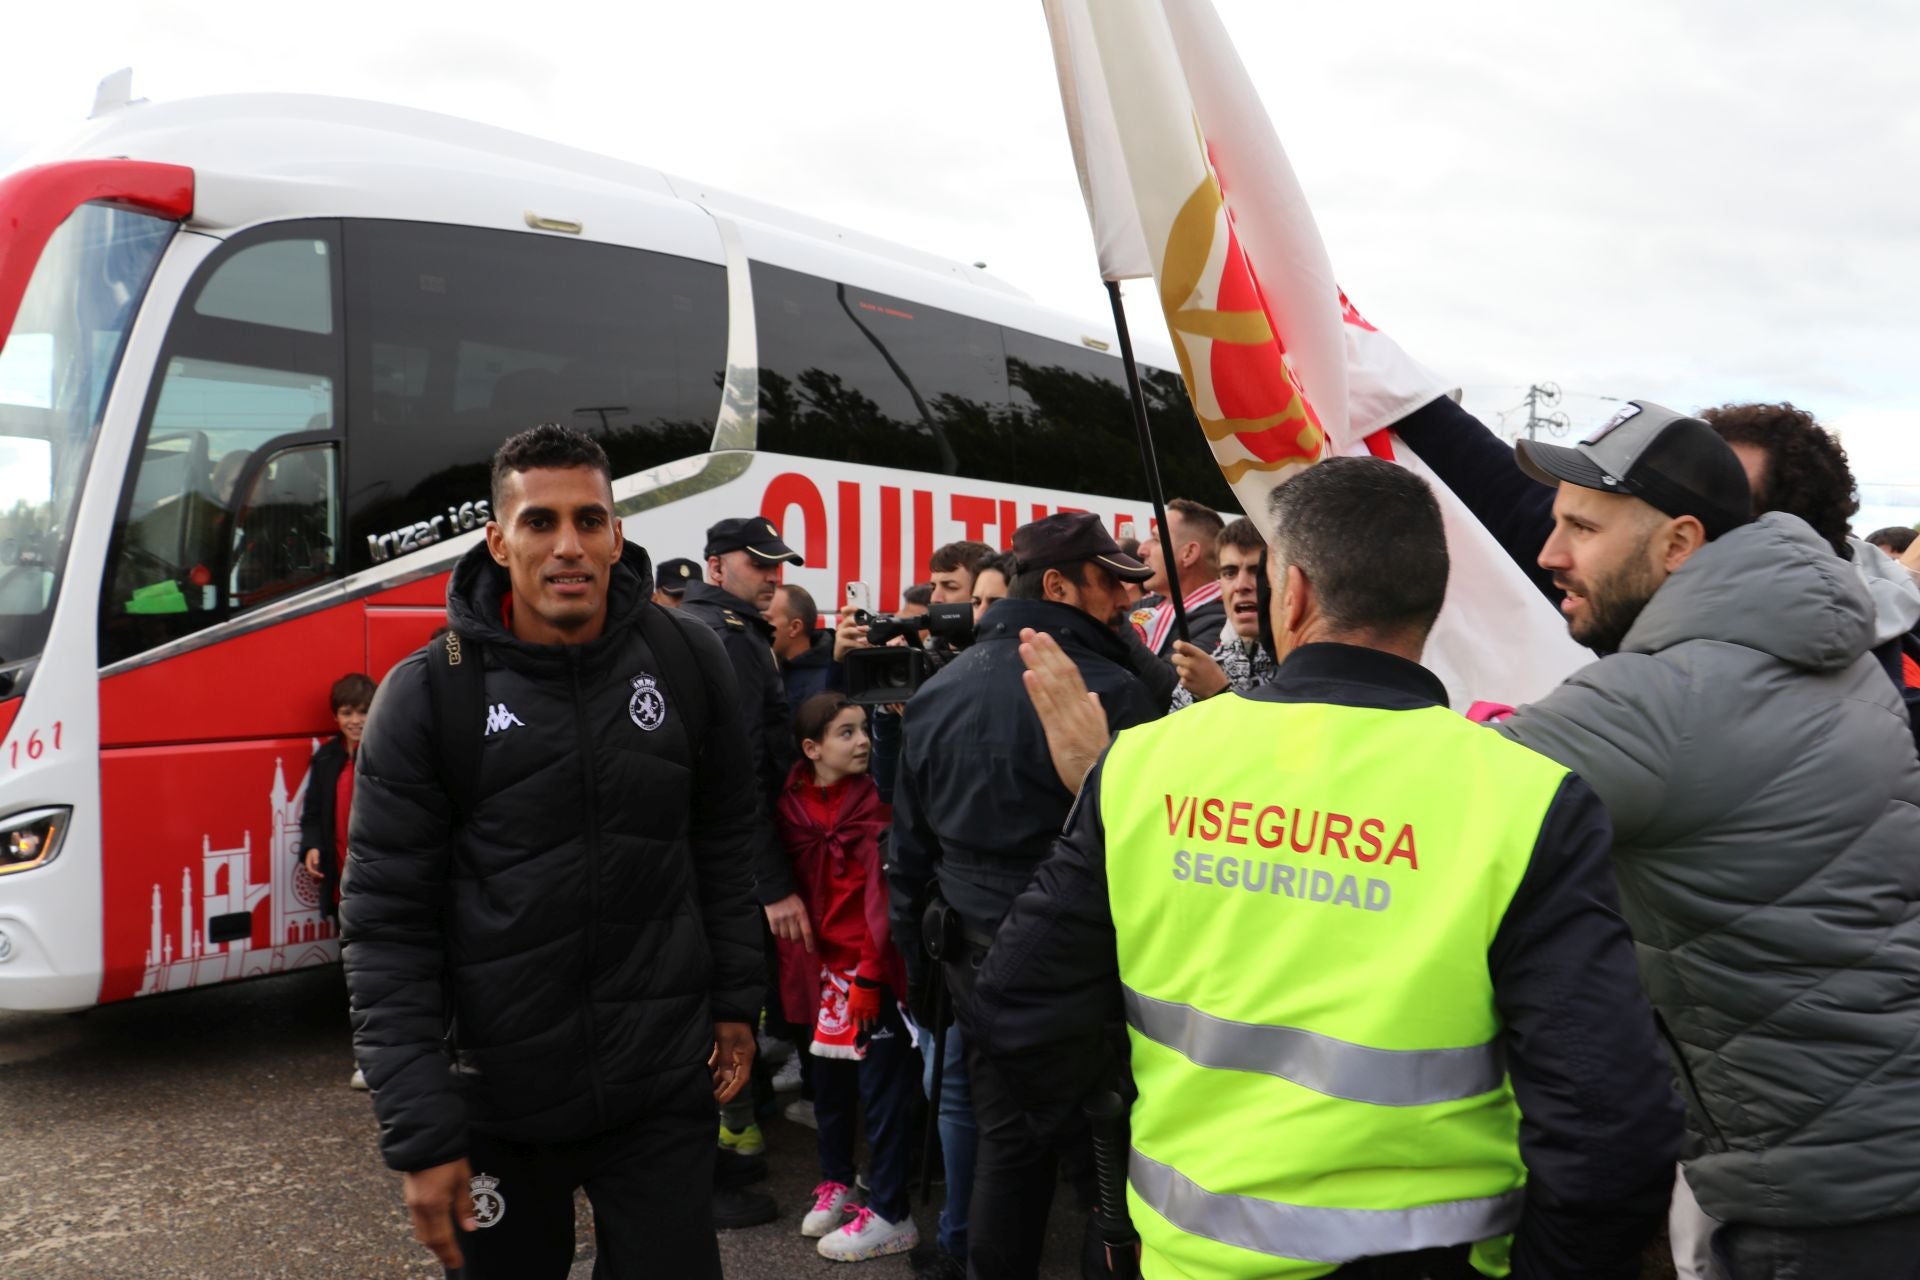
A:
(885, 672)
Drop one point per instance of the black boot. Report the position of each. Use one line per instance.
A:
(927, 1262)
(734, 1207)
(731, 1170)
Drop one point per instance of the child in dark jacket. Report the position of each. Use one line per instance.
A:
(329, 799)
(832, 820)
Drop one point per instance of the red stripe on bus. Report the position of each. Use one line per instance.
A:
(849, 538)
(791, 489)
(922, 532)
(8, 710)
(34, 202)
(973, 514)
(889, 597)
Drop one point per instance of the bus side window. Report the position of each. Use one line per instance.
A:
(247, 394)
(1186, 462)
(463, 336)
(851, 375)
(1072, 418)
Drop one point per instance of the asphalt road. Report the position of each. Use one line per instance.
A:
(211, 1135)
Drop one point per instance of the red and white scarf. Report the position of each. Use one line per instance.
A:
(1162, 624)
(834, 1034)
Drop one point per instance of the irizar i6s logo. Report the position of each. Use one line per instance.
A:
(424, 533)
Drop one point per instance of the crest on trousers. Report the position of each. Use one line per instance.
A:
(489, 1206)
(647, 706)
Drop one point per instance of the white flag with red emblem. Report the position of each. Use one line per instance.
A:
(1186, 181)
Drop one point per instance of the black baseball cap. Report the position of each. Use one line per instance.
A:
(675, 576)
(1072, 536)
(1674, 463)
(754, 534)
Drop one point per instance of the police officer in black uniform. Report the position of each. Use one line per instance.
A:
(744, 560)
(976, 810)
(671, 580)
(745, 557)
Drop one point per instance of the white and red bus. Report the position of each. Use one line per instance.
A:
(257, 353)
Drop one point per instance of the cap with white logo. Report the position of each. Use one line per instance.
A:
(754, 535)
(1676, 464)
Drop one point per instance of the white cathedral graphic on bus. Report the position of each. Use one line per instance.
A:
(300, 934)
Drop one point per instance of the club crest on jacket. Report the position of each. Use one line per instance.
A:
(647, 706)
(489, 1206)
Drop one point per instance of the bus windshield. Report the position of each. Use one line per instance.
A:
(55, 370)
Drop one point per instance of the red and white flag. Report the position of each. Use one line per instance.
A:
(1186, 181)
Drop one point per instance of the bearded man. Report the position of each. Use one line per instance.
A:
(1758, 768)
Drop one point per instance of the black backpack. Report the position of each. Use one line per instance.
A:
(457, 690)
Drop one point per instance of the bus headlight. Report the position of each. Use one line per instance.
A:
(31, 839)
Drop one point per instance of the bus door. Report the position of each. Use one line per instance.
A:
(230, 516)
(87, 243)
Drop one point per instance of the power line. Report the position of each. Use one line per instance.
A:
(1544, 395)
(1537, 397)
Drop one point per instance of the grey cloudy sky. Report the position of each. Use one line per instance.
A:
(1690, 203)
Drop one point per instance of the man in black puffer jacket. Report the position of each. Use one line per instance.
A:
(976, 809)
(554, 962)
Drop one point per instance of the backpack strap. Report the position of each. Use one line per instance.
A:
(681, 669)
(457, 685)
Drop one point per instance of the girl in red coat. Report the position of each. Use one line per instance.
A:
(832, 821)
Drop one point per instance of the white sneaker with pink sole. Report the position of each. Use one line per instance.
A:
(869, 1235)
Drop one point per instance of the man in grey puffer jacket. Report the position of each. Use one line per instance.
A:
(1759, 770)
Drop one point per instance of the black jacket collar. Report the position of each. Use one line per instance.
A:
(712, 597)
(1352, 676)
(478, 585)
(819, 653)
(1008, 617)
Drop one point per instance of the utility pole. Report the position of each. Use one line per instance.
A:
(1544, 395)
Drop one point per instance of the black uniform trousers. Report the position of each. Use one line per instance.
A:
(1015, 1169)
(651, 1187)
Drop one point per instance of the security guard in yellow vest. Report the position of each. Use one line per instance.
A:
(1381, 1011)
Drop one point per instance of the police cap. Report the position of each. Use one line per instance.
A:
(753, 534)
(1069, 537)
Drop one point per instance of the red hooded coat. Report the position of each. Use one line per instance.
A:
(832, 835)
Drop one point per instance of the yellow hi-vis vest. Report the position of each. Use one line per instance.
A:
(1303, 898)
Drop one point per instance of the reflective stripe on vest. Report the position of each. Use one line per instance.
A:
(1337, 1068)
(1312, 1233)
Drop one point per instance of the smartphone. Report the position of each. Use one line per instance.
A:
(860, 597)
(1126, 530)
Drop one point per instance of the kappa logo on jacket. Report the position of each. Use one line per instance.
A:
(499, 719)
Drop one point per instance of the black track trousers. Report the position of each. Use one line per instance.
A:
(651, 1187)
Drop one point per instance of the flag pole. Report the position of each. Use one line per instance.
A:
(1148, 461)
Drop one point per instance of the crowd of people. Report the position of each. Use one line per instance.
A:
(1386, 992)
